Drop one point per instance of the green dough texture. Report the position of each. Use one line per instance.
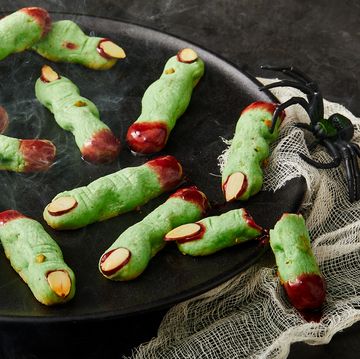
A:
(18, 32)
(24, 240)
(72, 112)
(11, 158)
(250, 146)
(167, 98)
(66, 42)
(110, 196)
(290, 243)
(146, 238)
(219, 232)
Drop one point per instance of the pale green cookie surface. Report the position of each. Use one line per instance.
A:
(34, 254)
(219, 232)
(250, 148)
(290, 243)
(18, 32)
(72, 112)
(146, 238)
(66, 42)
(166, 99)
(10, 155)
(107, 197)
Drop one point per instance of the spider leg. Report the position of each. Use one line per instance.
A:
(349, 167)
(356, 147)
(334, 152)
(291, 71)
(288, 83)
(293, 101)
(353, 156)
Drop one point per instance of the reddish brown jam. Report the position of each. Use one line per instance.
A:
(250, 221)
(192, 194)
(241, 191)
(4, 120)
(116, 269)
(147, 137)
(102, 147)
(194, 237)
(37, 154)
(307, 292)
(9, 215)
(169, 171)
(70, 45)
(101, 51)
(266, 106)
(41, 16)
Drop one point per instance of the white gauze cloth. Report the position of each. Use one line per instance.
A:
(249, 316)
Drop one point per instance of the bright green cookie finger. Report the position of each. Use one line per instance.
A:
(66, 42)
(164, 102)
(242, 175)
(297, 267)
(37, 258)
(130, 254)
(113, 194)
(78, 115)
(212, 234)
(22, 29)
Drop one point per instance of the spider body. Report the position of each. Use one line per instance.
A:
(334, 133)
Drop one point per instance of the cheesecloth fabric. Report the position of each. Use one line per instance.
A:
(249, 316)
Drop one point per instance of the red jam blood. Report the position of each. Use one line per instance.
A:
(147, 137)
(4, 120)
(9, 215)
(116, 269)
(306, 292)
(169, 171)
(241, 191)
(38, 154)
(103, 147)
(250, 221)
(70, 45)
(192, 194)
(41, 16)
(266, 106)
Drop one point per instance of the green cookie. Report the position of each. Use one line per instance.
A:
(242, 175)
(25, 155)
(22, 29)
(66, 42)
(297, 267)
(130, 254)
(164, 102)
(78, 115)
(37, 258)
(113, 194)
(212, 234)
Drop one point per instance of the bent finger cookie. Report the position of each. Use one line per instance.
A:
(37, 258)
(297, 267)
(78, 115)
(212, 234)
(130, 254)
(66, 42)
(113, 194)
(25, 155)
(164, 102)
(22, 29)
(242, 175)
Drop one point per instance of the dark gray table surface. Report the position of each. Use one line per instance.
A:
(322, 37)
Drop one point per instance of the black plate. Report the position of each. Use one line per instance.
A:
(215, 107)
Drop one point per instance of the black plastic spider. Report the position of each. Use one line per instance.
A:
(334, 133)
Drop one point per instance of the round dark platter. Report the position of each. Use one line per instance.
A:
(214, 109)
